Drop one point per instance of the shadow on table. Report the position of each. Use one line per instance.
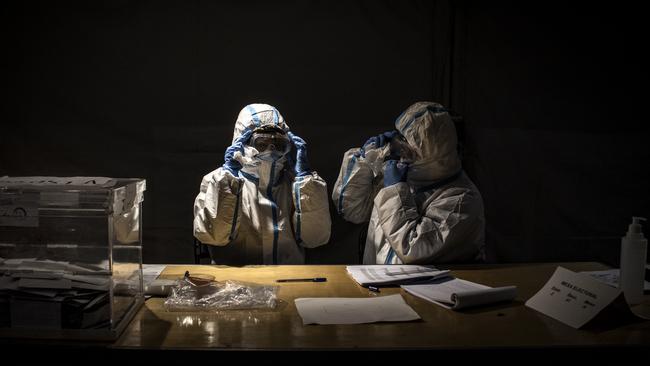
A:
(617, 315)
(499, 306)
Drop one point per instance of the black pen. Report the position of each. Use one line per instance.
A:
(317, 279)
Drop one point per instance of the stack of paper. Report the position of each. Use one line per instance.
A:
(333, 310)
(393, 274)
(52, 294)
(454, 293)
(16, 265)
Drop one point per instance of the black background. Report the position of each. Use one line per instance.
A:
(553, 97)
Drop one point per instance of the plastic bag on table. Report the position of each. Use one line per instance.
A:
(189, 295)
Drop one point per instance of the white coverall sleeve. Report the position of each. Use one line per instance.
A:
(217, 208)
(311, 219)
(355, 189)
(438, 234)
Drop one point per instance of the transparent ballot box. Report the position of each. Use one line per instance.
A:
(70, 256)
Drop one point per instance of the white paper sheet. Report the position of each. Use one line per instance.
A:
(393, 274)
(337, 310)
(151, 271)
(455, 293)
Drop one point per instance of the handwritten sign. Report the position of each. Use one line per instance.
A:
(573, 298)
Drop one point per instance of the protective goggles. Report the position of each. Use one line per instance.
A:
(399, 147)
(264, 140)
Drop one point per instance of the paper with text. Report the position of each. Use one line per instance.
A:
(393, 274)
(573, 298)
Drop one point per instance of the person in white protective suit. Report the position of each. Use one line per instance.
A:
(409, 184)
(264, 205)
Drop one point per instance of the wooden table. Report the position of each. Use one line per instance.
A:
(503, 326)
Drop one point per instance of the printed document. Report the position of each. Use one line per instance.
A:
(393, 274)
(573, 298)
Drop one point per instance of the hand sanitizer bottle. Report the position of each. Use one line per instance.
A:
(633, 261)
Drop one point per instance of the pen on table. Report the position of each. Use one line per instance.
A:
(316, 279)
(373, 288)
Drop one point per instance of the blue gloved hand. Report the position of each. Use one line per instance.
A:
(230, 164)
(394, 172)
(301, 162)
(379, 141)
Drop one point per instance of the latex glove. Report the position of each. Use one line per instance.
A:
(378, 141)
(382, 139)
(230, 164)
(394, 172)
(301, 162)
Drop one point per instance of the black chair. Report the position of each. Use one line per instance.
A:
(363, 234)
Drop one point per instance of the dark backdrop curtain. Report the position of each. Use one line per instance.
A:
(552, 96)
(152, 89)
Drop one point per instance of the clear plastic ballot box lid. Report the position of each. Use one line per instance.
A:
(70, 256)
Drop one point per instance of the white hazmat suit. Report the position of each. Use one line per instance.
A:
(436, 216)
(266, 214)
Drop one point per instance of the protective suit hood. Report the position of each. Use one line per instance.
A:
(257, 115)
(429, 129)
(253, 116)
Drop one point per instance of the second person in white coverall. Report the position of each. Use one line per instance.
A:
(409, 185)
(264, 205)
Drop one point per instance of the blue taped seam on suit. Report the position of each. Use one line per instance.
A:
(346, 178)
(296, 192)
(274, 213)
(253, 113)
(250, 177)
(390, 255)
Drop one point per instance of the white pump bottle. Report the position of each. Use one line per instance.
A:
(633, 261)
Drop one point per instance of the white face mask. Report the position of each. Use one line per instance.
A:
(270, 155)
